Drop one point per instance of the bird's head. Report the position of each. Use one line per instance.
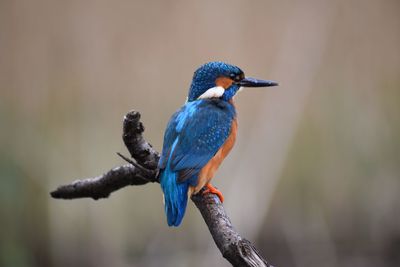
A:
(221, 80)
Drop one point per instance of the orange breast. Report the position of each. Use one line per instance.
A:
(208, 171)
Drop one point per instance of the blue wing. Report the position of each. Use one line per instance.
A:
(199, 128)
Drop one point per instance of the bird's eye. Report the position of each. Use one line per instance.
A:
(236, 77)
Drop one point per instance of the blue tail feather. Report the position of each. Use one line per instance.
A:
(175, 196)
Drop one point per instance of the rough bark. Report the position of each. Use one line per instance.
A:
(237, 250)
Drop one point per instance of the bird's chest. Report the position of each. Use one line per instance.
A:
(208, 171)
(230, 141)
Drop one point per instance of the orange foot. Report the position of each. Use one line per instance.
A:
(211, 189)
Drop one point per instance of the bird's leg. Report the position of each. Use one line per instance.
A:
(211, 189)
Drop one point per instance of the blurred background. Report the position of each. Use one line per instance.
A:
(313, 180)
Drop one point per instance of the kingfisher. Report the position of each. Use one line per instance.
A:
(200, 135)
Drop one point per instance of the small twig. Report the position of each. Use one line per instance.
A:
(149, 173)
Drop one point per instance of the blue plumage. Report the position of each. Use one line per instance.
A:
(193, 136)
(197, 131)
(175, 195)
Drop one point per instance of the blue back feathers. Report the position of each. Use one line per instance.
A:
(193, 135)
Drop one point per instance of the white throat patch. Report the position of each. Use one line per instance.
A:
(216, 91)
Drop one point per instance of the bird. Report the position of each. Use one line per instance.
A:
(200, 135)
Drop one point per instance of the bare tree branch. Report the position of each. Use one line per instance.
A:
(102, 186)
(139, 149)
(237, 250)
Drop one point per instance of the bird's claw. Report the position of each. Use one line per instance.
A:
(211, 189)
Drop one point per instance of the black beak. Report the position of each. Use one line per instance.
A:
(252, 82)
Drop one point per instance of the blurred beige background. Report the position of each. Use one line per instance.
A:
(312, 181)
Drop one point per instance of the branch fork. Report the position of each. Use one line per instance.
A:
(142, 170)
